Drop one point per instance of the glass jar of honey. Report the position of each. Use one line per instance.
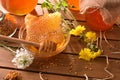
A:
(74, 4)
(75, 9)
(95, 20)
(19, 7)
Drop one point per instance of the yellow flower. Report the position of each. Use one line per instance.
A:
(96, 54)
(87, 54)
(78, 30)
(90, 36)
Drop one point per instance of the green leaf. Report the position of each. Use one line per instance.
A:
(60, 5)
(57, 7)
(64, 3)
(47, 4)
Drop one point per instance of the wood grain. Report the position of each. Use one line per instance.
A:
(67, 65)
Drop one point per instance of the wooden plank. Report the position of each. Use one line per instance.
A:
(114, 33)
(36, 76)
(25, 75)
(115, 69)
(75, 46)
(59, 77)
(70, 65)
(64, 64)
(113, 51)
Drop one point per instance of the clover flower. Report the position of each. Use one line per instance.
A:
(23, 58)
(78, 30)
(87, 54)
(90, 37)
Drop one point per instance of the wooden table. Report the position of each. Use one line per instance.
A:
(67, 65)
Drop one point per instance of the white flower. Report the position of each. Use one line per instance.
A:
(23, 58)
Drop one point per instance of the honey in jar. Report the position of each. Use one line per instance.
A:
(19, 7)
(74, 4)
(95, 20)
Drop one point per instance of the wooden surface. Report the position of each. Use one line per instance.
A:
(67, 65)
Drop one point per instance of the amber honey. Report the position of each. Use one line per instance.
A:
(95, 20)
(19, 7)
(48, 31)
(35, 50)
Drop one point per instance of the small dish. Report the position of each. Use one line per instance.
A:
(8, 24)
(2, 15)
(43, 53)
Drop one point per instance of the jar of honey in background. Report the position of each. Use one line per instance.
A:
(75, 9)
(18, 7)
(95, 20)
(74, 4)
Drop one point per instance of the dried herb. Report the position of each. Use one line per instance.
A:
(13, 75)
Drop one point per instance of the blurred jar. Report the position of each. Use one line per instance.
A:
(74, 4)
(19, 7)
(95, 20)
(75, 9)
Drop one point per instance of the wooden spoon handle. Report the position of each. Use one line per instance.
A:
(16, 40)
